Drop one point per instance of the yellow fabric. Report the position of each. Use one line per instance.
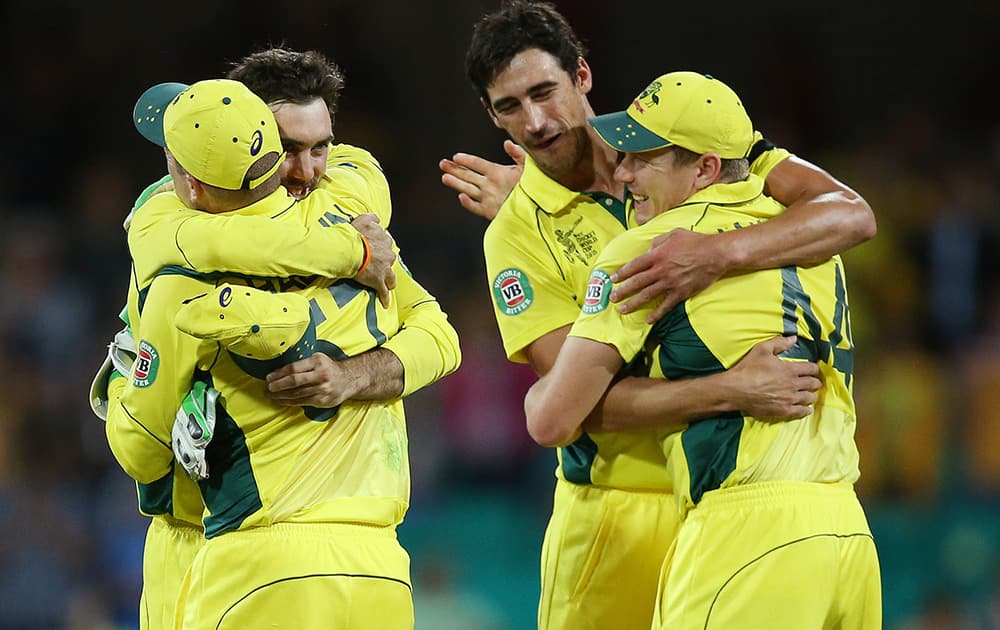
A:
(340, 577)
(427, 345)
(714, 329)
(551, 236)
(354, 173)
(170, 548)
(219, 145)
(773, 555)
(293, 468)
(164, 232)
(688, 109)
(544, 241)
(601, 557)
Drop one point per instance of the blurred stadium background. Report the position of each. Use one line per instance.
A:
(892, 99)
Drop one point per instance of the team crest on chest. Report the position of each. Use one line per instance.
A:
(598, 292)
(512, 292)
(582, 246)
(147, 363)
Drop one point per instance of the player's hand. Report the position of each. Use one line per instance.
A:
(194, 425)
(483, 185)
(770, 387)
(316, 381)
(677, 265)
(378, 274)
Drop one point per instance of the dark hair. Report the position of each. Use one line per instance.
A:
(280, 74)
(517, 26)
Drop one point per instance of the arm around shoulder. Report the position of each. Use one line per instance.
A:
(823, 217)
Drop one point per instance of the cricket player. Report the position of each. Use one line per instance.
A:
(614, 515)
(218, 244)
(306, 501)
(773, 534)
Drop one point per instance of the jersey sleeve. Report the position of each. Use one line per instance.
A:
(140, 418)
(530, 297)
(765, 156)
(426, 344)
(354, 173)
(599, 319)
(164, 232)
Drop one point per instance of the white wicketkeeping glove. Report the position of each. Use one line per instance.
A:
(121, 355)
(194, 426)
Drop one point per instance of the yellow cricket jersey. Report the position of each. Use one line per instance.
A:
(271, 463)
(539, 251)
(163, 232)
(714, 329)
(354, 173)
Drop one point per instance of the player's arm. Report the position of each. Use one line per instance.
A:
(482, 185)
(163, 233)
(760, 384)
(824, 217)
(424, 350)
(558, 403)
(140, 418)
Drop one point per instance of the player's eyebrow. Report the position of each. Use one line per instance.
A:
(532, 91)
(291, 144)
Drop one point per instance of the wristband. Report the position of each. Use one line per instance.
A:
(367, 258)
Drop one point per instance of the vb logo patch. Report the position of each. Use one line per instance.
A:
(512, 292)
(598, 292)
(147, 363)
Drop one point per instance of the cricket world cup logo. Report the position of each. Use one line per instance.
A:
(512, 292)
(147, 363)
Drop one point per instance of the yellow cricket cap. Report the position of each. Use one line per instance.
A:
(261, 330)
(218, 130)
(691, 110)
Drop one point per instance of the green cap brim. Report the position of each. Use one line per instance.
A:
(623, 133)
(148, 112)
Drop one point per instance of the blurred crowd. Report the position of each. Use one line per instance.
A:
(924, 295)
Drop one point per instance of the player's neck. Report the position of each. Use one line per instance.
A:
(596, 172)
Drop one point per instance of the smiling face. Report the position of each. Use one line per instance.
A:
(544, 109)
(306, 133)
(657, 181)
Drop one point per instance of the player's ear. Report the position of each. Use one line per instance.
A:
(198, 191)
(583, 77)
(709, 167)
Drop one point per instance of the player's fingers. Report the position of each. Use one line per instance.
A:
(631, 286)
(810, 384)
(515, 151)
(293, 370)
(298, 395)
(289, 382)
(631, 268)
(474, 163)
(461, 186)
(638, 300)
(777, 345)
(664, 307)
(382, 291)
